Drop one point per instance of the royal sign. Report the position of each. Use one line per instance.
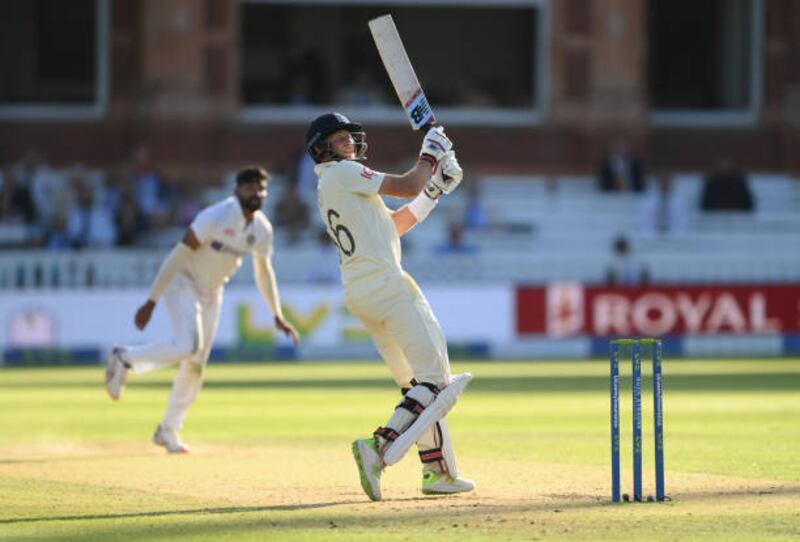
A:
(568, 309)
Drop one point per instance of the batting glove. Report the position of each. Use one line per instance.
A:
(446, 178)
(435, 145)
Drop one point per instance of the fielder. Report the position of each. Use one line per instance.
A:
(382, 295)
(191, 280)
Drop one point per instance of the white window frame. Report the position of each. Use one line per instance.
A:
(744, 117)
(72, 112)
(452, 116)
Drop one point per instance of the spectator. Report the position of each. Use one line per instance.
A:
(304, 178)
(51, 192)
(89, 225)
(152, 195)
(624, 270)
(129, 220)
(621, 170)
(725, 189)
(189, 203)
(476, 214)
(56, 236)
(662, 211)
(20, 195)
(455, 243)
(292, 214)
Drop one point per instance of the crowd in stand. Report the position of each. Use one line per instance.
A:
(78, 208)
(134, 206)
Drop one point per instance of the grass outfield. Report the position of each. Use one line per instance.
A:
(271, 456)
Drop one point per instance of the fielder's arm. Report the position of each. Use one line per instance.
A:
(268, 287)
(171, 265)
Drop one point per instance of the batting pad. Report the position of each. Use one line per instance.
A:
(434, 412)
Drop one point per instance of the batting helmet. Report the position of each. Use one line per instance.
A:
(324, 126)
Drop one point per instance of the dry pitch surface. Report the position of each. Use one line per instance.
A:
(271, 457)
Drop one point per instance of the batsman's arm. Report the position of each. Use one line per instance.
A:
(409, 183)
(446, 179)
(171, 265)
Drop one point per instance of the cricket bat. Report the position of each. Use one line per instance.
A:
(401, 72)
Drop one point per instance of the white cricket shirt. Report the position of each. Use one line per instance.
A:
(358, 220)
(225, 238)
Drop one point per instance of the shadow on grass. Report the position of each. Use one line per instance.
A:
(190, 512)
(782, 381)
(79, 458)
(442, 511)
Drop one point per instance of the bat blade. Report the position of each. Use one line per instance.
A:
(401, 72)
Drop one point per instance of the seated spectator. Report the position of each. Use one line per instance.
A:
(89, 225)
(189, 202)
(152, 195)
(662, 211)
(20, 195)
(621, 170)
(292, 214)
(129, 220)
(303, 176)
(455, 243)
(476, 214)
(725, 189)
(624, 270)
(56, 236)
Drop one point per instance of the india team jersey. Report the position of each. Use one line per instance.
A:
(226, 237)
(358, 221)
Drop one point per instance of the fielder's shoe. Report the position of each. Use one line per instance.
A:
(370, 466)
(116, 373)
(169, 439)
(441, 483)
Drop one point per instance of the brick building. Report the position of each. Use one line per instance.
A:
(526, 86)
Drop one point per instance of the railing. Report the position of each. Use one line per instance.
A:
(136, 269)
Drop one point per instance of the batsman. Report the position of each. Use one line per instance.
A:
(386, 299)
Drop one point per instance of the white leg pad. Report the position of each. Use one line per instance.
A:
(434, 412)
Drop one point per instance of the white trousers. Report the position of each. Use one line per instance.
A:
(408, 337)
(194, 317)
(405, 331)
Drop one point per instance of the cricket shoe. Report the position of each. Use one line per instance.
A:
(116, 373)
(370, 466)
(441, 483)
(169, 439)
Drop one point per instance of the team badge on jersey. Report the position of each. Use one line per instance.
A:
(367, 173)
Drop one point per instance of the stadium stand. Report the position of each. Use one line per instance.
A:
(542, 230)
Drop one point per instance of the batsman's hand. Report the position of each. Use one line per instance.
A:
(436, 144)
(446, 178)
(287, 329)
(143, 314)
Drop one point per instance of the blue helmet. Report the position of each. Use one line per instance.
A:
(324, 126)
